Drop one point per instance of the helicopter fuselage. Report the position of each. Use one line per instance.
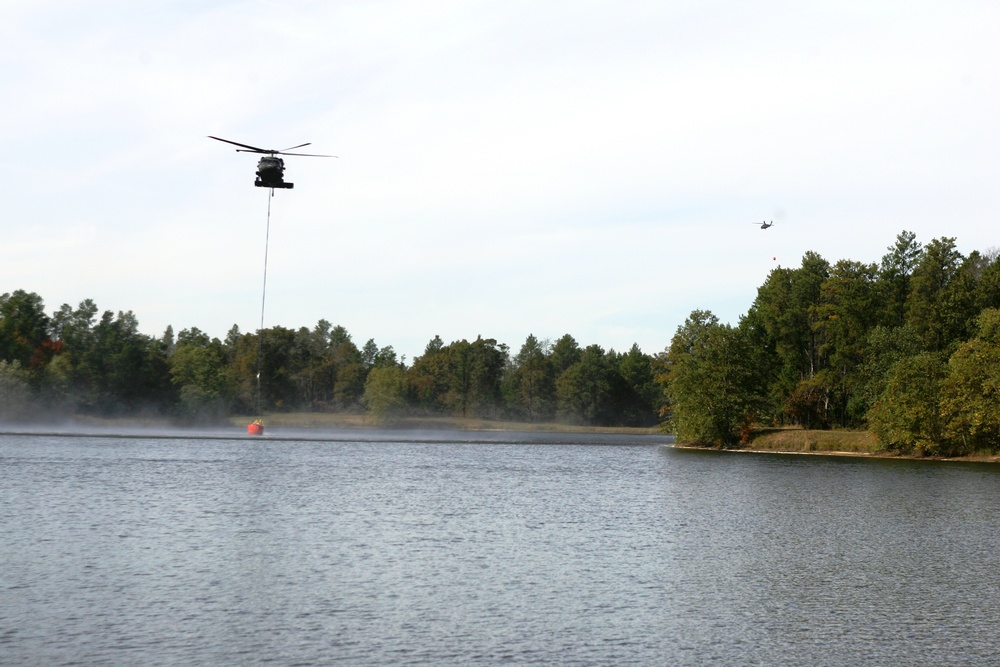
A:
(270, 173)
(270, 168)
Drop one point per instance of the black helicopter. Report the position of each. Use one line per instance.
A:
(270, 169)
(765, 224)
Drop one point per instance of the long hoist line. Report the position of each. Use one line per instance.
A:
(256, 427)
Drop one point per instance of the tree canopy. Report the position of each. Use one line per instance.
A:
(74, 362)
(906, 348)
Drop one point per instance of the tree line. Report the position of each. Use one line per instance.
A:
(74, 362)
(908, 348)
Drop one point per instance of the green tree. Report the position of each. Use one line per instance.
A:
(429, 378)
(74, 328)
(264, 367)
(459, 393)
(24, 330)
(940, 302)
(786, 308)
(386, 356)
(988, 286)
(584, 390)
(242, 351)
(385, 393)
(349, 389)
(530, 382)
(884, 347)
(894, 278)
(906, 417)
(762, 357)
(970, 401)
(200, 369)
(476, 371)
(279, 364)
(809, 403)
(120, 370)
(66, 378)
(15, 396)
(312, 372)
(369, 352)
(327, 368)
(640, 398)
(715, 395)
(847, 310)
(350, 371)
(565, 353)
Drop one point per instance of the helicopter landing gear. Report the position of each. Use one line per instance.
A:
(261, 184)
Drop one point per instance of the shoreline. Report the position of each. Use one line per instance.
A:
(318, 421)
(331, 427)
(971, 458)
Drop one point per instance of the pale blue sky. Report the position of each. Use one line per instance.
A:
(590, 168)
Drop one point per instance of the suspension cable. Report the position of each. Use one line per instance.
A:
(263, 297)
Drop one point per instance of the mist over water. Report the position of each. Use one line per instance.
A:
(131, 431)
(462, 548)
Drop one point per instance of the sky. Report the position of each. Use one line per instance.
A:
(504, 168)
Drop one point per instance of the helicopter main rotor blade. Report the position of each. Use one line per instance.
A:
(253, 149)
(245, 148)
(304, 154)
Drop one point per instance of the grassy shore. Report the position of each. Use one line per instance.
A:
(815, 442)
(840, 442)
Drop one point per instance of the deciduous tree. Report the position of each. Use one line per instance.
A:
(24, 329)
(907, 416)
(970, 401)
(715, 395)
(385, 393)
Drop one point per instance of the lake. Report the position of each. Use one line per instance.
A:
(394, 548)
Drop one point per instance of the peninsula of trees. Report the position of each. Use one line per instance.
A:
(908, 349)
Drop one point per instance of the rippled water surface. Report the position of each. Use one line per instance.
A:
(512, 549)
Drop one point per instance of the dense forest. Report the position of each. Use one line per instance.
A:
(74, 362)
(908, 348)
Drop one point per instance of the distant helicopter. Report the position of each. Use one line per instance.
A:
(765, 224)
(270, 169)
